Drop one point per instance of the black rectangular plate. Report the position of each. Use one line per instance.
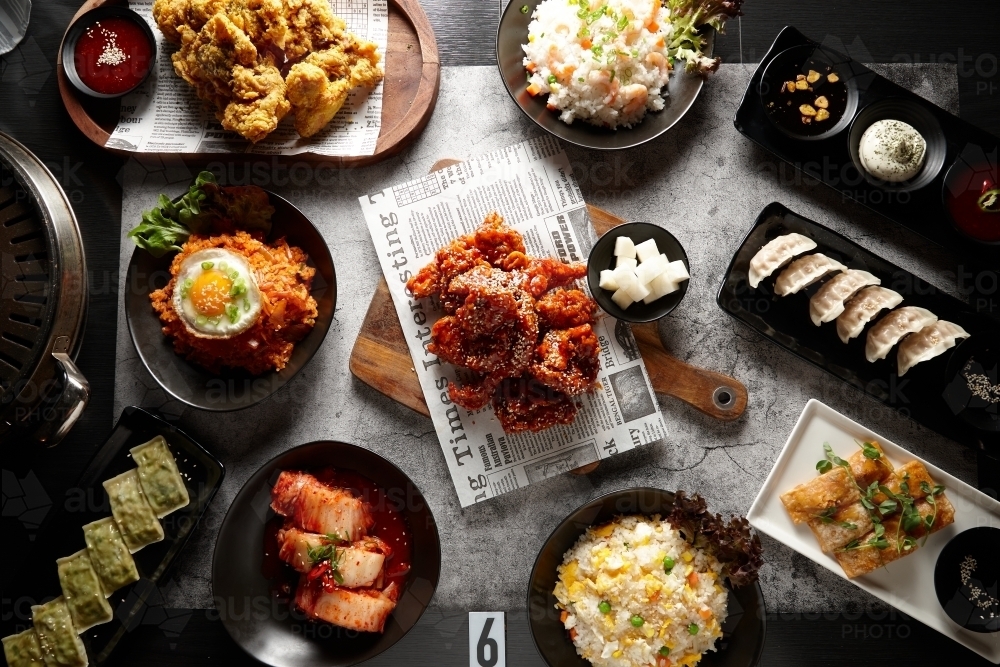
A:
(62, 534)
(785, 321)
(829, 160)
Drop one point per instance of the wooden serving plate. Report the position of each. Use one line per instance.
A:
(382, 360)
(409, 93)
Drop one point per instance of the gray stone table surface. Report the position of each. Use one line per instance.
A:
(703, 181)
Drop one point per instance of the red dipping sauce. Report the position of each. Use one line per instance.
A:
(964, 202)
(113, 55)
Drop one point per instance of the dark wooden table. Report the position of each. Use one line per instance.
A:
(922, 31)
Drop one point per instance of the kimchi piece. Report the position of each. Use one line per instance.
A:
(517, 323)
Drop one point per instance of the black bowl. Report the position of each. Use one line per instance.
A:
(974, 165)
(683, 89)
(976, 355)
(922, 120)
(245, 596)
(742, 642)
(799, 59)
(73, 35)
(959, 599)
(602, 257)
(233, 389)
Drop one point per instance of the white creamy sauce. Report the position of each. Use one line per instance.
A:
(892, 150)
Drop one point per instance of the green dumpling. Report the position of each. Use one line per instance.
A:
(109, 556)
(161, 481)
(61, 647)
(23, 649)
(83, 592)
(134, 516)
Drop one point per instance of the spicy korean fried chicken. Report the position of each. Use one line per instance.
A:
(256, 61)
(516, 323)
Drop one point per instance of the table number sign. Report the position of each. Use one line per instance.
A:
(487, 639)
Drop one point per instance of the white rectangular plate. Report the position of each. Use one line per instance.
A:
(908, 583)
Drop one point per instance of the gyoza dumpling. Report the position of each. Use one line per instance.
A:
(83, 592)
(135, 518)
(892, 327)
(804, 272)
(927, 343)
(161, 481)
(862, 308)
(109, 555)
(57, 636)
(775, 254)
(828, 302)
(23, 649)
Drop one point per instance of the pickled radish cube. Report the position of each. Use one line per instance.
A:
(646, 250)
(627, 262)
(677, 271)
(637, 291)
(608, 281)
(625, 277)
(651, 268)
(622, 299)
(660, 287)
(624, 247)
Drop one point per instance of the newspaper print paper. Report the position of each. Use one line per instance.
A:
(532, 186)
(164, 115)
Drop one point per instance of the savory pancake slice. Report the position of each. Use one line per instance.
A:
(915, 474)
(865, 559)
(846, 524)
(831, 489)
(866, 470)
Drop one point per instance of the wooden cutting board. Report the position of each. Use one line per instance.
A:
(410, 91)
(381, 359)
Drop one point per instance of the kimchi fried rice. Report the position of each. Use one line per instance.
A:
(288, 311)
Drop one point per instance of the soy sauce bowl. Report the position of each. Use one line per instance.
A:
(972, 603)
(602, 257)
(76, 31)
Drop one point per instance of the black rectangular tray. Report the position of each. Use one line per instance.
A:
(785, 321)
(62, 535)
(829, 160)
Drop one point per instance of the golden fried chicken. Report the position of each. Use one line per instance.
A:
(255, 61)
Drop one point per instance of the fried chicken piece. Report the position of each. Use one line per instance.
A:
(261, 20)
(312, 26)
(567, 360)
(522, 404)
(497, 241)
(565, 308)
(319, 85)
(223, 65)
(547, 273)
(258, 103)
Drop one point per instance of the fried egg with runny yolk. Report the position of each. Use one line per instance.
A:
(216, 295)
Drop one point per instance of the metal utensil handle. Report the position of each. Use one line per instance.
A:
(70, 404)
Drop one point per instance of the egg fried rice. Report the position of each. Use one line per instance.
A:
(634, 593)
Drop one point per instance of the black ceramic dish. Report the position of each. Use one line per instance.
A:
(62, 534)
(974, 360)
(282, 637)
(972, 604)
(799, 60)
(602, 257)
(968, 174)
(73, 35)
(742, 642)
(785, 321)
(923, 209)
(922, 121)
(683, 89)
(233, 389)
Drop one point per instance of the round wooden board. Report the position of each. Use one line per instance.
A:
(412, 79)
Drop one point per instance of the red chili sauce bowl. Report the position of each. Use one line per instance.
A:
(108, 52)
(969, 181)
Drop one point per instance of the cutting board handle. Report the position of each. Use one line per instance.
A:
(715, 394)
